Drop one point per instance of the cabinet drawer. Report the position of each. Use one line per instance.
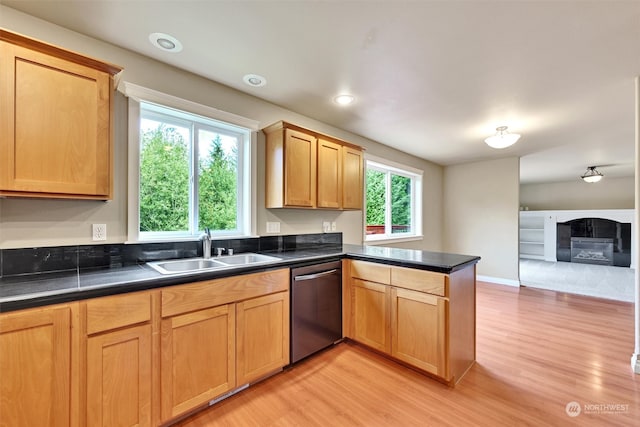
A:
(420, 280)
(210, 293)
(371, 272)
(113, 312)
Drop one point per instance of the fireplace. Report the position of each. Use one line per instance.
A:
(595, 241)
(589, 250)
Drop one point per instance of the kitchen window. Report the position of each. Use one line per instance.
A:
(187, 171)
(393, 201)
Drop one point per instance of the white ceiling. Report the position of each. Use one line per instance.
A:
(431, 78)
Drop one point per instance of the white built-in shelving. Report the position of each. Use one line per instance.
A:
(532, 235)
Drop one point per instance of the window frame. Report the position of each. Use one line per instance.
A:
(389, 168)
(228, 122)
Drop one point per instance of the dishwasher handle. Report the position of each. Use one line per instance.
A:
(314, 276)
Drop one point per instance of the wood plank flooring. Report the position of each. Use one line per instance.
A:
(537, 351)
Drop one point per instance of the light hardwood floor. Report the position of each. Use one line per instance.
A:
(537, 351)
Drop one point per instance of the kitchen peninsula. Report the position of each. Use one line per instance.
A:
(152, 332)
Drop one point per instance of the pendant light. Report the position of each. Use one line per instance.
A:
(592, 175)
(502, 138)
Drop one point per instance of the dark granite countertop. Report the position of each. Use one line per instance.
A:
(33, 290)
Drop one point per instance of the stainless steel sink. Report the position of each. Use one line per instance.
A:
(186, 265)
(246, 259)
(193, 265)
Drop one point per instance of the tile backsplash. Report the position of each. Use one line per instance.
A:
(64, 258)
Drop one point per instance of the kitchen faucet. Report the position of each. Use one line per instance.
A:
(206, 243)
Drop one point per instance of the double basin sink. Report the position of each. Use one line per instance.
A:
(194, 265)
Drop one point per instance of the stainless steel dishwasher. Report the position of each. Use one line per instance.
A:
(316, 308)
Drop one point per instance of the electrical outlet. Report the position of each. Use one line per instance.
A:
(99, 232)
(334, 227)
(273, 227)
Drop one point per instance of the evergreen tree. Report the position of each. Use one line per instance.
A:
(375, 197)
(217, 188)
(164, 180)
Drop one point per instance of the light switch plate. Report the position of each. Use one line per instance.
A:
(326, 226)
(273, 227)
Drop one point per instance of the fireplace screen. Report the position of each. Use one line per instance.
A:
(590, 250)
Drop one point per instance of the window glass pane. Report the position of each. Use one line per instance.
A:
(217, 181)
(375, 187)
(400, 204)
(164, 176)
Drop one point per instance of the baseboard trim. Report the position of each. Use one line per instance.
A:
(498, 280)
(635, 363)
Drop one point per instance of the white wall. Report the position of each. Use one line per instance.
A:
(481, 215)
(635, 358)
(609, 193)
(28, 222)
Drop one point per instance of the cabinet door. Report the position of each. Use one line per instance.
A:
(329, 175)
(418, 328)
(197, 358)
(55, 132)
(370, 314)
(263, 336)
(35, 368)
(352, 177)
(300, 169)
(119, 378)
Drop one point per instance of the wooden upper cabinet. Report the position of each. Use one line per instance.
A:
(306, 169)
(352, 178)
(56, 121)
(329, 174)
(299, 169)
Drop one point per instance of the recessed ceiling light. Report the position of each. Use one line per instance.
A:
(344, 99)
(165, 42)
(254, 80)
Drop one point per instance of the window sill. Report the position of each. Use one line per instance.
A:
(387, 240)
(170, 239)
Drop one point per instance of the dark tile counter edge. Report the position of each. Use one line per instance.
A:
(412, 264)
(159, 281)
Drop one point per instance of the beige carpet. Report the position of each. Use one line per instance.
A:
(616, 283)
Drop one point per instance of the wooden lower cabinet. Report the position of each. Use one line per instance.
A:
(36, 368)
(143, 358)
(370, 314)
(423, 318)
(118, 360)
(197, 358)
(119, 378)
(263, 336)
(418, 330)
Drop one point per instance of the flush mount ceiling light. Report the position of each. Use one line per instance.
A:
(592, 175)
(254, 80)
(344, 99)
(165, 42)
(502, 138)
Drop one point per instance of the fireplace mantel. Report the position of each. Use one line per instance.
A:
(550, 219)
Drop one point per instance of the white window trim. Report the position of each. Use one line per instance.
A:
(404, 170)
(136, 94)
